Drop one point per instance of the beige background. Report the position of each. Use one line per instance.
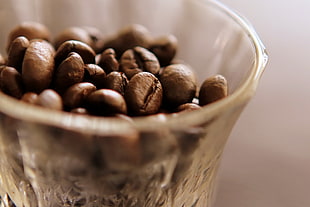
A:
(267, 158)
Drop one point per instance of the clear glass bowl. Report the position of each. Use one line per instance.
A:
(50, 158)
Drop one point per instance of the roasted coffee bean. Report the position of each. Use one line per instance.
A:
(129, 37)
(96, 36)
(106, 102)
(50, 99)
(212, 89)
(72, 33)
(128, 64)
(29, 97)
(108, 61)
(188, 107)
(137, 60)
(95, 75)
(11, 82)
(103, 76)
(30, 30)
(84, 50)
(116, 81)
(179, 84)
(69, 72)
(144, 94)
(75, 95)
(146, 60)
(38, 66)
(17, 51)
(165, 49)
(79, 110)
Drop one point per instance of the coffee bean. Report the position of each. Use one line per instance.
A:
(30, 30)
(143, 94)
(212, 89)
(179, 84)
(49, 99)
(17, 51)
(69, 72)
(116, 81)
(188, 107)
(103, 76)
(165, 49)
(72, 33)
(129, 37)
(95, 75)
(75, 95)
(97, 38)
(108, 61)
(106, 102)
(146, 60)
(30, 97)
(11, 82)
(38, 66)
(137, 60)
(128, 64)
(84, 50)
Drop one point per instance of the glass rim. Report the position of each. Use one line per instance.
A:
(93, 124)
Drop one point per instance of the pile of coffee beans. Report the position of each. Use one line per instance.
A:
(82, 71)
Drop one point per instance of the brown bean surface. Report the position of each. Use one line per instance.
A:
(212, 89)
(143, 94)
(11, 82)
(69, 72)
(106, 102)
(84, 50)
(38, 66)
(76, 95)
(179, 84)
(17, 51)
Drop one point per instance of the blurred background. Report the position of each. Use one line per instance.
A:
(267, 158)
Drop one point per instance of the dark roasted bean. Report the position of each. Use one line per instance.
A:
(72, 33)
(129, 37)
(31, 30)
(84, 50)
(75, 95)
(38, 66)
(106, 102)
(143, 94)
(128, 64)
(108, 61)
(97, 40)
(116, 81)
(179, 84)
(95, 75)
(17, 51)
(137, 60)
(69, 72)
(146, 60)
(212, 89)
(165, 49)
(11, 82)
